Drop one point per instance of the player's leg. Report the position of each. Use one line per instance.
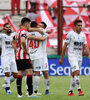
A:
(46, 81)
(73, 64)
(19, 83)
(13, 70)
(36, 81)
(20, 67)
(72, 85)
(29, 81)
(46, 74)
(37, 64)
(6, 67)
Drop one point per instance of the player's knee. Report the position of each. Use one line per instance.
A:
(7, 74)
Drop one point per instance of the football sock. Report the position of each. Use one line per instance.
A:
(29, 84)
(72, 85)
(12, 79)
(46, 81)
(36, 83)
(19, 84)
(7, 82)
(77, 82)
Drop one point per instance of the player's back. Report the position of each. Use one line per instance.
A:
(20, 54)
(35, 47)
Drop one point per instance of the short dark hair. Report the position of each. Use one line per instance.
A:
(5, 24)
(33, 24)
(45, 25)
(77, 21)
(24, 20)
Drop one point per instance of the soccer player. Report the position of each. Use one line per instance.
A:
(36, 54)
(8, 57)
(22, 57)
(45, 61)
(75, 41)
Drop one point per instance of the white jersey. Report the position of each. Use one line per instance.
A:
(6, 46)
(76, 42)
(44, 43)
(35, 47)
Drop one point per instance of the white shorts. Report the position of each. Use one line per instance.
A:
(75, 63)
(8, 64)
(37, 64)
(45, 63)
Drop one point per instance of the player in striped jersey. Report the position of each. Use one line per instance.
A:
(23, 58)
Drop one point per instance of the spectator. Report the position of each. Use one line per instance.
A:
(17, 4)
(33, 4)
(32, 15)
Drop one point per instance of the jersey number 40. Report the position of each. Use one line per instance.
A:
(34, 44)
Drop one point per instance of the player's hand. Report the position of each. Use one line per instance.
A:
(60, 61)
(89, 56)
(27, 52)
(43, 38)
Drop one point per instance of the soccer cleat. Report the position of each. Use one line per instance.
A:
(38, 94)
(20, 96)
(47, 92)
(81, 93)
(9, 92)
(33, 96)
(71, 94)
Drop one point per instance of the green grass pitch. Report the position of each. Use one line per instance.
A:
(59, 87)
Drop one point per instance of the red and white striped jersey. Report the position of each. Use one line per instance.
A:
(20, 53)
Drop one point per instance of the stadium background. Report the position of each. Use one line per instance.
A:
(65, 9)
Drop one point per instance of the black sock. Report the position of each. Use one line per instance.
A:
(70, 91)
(29, 84)
(79, 89)
(35, 91)
(19, 84)
(8, 88)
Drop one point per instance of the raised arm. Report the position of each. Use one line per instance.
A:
(37, 38)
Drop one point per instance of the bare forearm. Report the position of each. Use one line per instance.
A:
(35, 29)
(24, 46)
(87, 49)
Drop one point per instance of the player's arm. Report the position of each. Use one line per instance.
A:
(23, 41)
(63, 53)
(37, 38)
(13, 42)
(36, 29)
(87, 50)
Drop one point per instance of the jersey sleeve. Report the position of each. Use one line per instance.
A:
(68, 38)
(1, 35)
(85, 41)
(24, 34)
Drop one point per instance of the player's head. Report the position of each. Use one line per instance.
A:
(42, 25)
(25, 22)
(33, 24)
(78, 26)
(7, 28)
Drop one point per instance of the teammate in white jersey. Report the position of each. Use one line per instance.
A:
(8, 57)
(75, 41)
(45, 60)
(36, 55)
